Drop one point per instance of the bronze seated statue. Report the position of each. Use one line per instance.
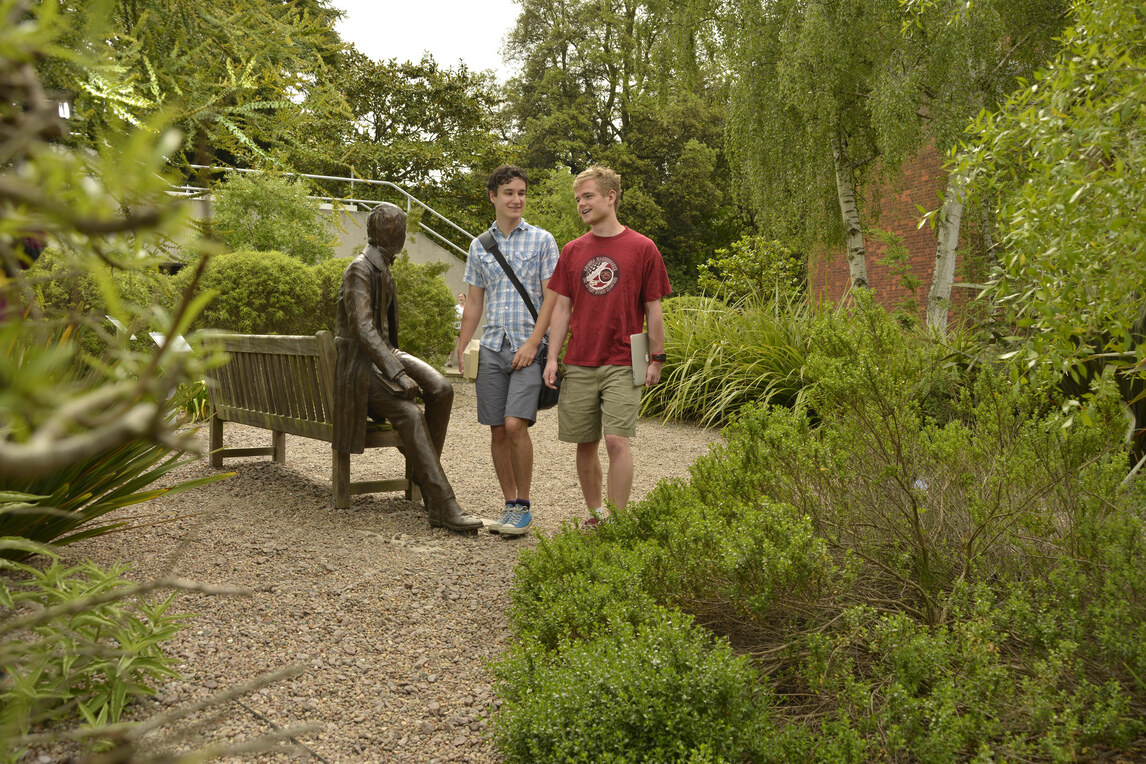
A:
(376, 379)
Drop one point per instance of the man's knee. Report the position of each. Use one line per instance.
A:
(400, 413)
(617, 445)
(588, 450)
(516, 428)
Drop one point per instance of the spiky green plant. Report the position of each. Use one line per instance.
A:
(64, 507)
(191, 401)
(722, 357)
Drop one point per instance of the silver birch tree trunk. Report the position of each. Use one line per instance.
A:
(950, 219)
(846, 189)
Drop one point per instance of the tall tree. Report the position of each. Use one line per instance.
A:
(799, 122)
(956, 59)
(620, 82)
(830, 96)
(417, 124)
(226, 72)
(583, 63)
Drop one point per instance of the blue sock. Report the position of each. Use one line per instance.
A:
(523, 503)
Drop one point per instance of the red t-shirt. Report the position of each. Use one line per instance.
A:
(609, 280)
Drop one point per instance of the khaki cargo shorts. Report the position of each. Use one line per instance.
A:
(596, 398)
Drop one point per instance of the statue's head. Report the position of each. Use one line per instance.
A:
(386, 229)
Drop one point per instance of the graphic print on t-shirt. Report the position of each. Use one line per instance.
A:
(600, 275)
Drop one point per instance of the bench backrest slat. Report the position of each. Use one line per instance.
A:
(279, 386)
(308, 380)
(327, 366)
(282, 379)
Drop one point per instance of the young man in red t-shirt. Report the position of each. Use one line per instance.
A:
(607, 285)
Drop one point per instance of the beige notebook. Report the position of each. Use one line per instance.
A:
(470, 356)
(640, 343)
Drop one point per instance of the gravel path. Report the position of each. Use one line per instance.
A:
(392, 623)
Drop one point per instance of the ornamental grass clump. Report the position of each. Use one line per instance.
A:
(723, 357)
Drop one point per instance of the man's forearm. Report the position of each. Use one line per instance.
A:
(654, 316)
(544, 317)
(560, 315)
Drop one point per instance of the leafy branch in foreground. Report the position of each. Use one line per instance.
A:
(78, 645)
(97, 209)
(76, 641)
(1063, 156)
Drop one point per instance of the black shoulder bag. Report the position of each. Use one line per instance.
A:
(547, 398)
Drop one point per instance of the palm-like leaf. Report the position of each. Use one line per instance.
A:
(62, 508)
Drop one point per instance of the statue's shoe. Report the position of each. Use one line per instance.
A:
(449, 514)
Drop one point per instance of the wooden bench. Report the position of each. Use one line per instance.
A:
(285, 384)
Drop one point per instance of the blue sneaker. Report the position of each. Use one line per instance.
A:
(518, 523)
(496, 527)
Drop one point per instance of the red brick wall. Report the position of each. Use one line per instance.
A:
(920, 182)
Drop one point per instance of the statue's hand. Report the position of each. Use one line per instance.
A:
(409, 387)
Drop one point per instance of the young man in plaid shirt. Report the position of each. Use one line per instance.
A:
(508, 379)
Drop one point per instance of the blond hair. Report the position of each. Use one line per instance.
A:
(606, 178)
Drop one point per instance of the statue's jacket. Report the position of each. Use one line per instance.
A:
(366, 337)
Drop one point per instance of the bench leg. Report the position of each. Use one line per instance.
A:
(340, 478)
(278, 443)
(216, 441)
(413, 492)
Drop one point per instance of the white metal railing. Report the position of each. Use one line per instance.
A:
(411, 200)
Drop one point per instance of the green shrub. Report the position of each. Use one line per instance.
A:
(82, 297)
(663, 691)
(425, 305)
(755, 269)
(257, 293)
(270, 213)
(425, 310)
(732, 556)
(270, 293)
(76, 643)
(328, 276)
(927, 568)
(569, 587)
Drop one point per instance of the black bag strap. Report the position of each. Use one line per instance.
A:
(490, 244)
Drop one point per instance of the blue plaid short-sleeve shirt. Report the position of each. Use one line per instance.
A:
(532, 253)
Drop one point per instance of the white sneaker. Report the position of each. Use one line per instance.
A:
(505, 516)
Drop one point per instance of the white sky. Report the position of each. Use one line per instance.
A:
(472, 31)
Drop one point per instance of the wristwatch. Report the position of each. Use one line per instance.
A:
(658, 357)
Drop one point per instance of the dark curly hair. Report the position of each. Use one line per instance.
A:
(505, 174)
